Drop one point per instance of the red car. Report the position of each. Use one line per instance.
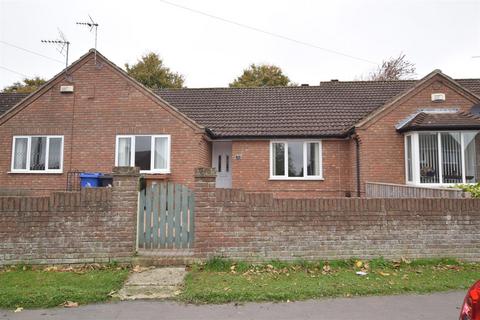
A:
(471, 304)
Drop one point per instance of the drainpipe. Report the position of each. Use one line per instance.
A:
(357, 152)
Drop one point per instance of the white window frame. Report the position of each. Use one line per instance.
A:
(305, 176)
(29, 144)
(416, 158)
(152, 148)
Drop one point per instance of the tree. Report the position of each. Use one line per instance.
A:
(152, 73)
(28, 85)
(263, 75)
(394, 69)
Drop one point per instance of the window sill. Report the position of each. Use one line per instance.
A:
(154, 172)
(296, 179)
(35, 172)
(438, 185)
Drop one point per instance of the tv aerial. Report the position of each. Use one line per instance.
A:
(93, 27)
(62, 45)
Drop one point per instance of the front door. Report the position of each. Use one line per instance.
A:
(222, 162)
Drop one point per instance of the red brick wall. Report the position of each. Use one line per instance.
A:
(382, 148)
(252, 171)
(103, 105)
(94, 225)
(256, 226)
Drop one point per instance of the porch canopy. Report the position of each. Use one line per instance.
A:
(426, 121)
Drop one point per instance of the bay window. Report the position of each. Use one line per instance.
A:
(296, 160)
(444, 157)
(151, 153)
(37, 154)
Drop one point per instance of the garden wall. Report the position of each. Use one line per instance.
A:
(256, 226)
(92, 225)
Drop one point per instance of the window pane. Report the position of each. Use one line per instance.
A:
(161, 153)
(451, 157)
(429, 169)
(54, 153)
(124, 152)
(313, 159)
(278, 159)
(472, 156)
(143, 152)
(409, 159)
(219, 163)
(227, 163)
(38, 152)
(20, 156)
(295, 159)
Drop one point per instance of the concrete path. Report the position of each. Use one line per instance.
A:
(158, 283)
(440, 306)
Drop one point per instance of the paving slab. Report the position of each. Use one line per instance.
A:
(158, 283)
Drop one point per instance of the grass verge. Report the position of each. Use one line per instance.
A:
(49, 287)
(222, 281)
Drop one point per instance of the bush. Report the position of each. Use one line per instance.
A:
(474, 189)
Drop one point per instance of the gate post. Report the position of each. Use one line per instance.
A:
(205, 209)
(125, 201)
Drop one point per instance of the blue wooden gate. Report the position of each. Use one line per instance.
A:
(166, 217)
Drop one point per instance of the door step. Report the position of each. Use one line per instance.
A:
(164, 257)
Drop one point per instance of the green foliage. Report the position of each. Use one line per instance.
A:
(151, 72)
(263, 75)
(474, 189)
(25, 287)
(27, 86)
(223, 281)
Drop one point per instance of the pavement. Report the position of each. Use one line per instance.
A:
(438, 306)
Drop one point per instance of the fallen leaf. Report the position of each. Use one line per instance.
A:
(385, 274)
(19, 309)
(326, 269)
(358, 263)
(405, 260)
(70, 304)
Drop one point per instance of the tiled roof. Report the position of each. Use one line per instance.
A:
(8, 100)
(329, 109)
(442, 121)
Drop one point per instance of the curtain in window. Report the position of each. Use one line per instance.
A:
(38, 150)
(313, 159)
(409, 159)
(429, 168)
(20, 158)
(54, 153)
(472, 156)
(161, 153)
(451, 157)
(124, 151)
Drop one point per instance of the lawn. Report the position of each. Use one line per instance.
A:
(221, 281)
(50, 287)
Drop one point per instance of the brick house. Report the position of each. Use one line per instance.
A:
(326, 140)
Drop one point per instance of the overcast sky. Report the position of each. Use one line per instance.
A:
(442, 34)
